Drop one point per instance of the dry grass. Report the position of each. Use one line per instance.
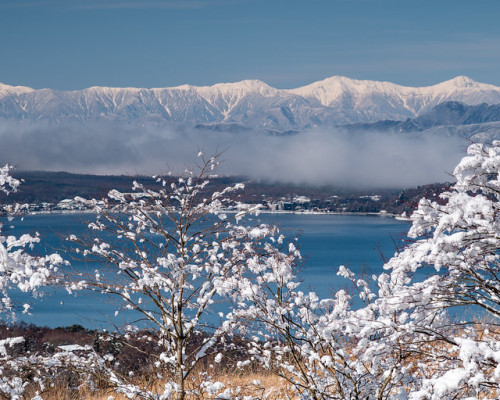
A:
(259, 385)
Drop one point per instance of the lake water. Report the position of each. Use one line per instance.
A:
(326, 242)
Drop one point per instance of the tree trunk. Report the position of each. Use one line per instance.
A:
(179, 372)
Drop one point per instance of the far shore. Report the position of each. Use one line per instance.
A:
(305, 212)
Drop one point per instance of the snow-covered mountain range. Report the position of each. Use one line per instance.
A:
(250, 103)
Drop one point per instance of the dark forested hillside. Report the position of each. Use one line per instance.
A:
(52, 187)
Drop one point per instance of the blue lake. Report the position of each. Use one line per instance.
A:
(326, 242)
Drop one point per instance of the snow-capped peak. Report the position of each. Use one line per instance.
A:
(462, 82)
(331, 90)
(239, 88)
(13, 90)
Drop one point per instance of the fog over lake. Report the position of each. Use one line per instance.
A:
(317, 156)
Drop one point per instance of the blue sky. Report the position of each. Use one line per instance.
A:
(71, 44)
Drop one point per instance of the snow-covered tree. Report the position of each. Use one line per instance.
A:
(324, 348)
(17, 267)
(168, 254)
(428, 331)
(453, 267)
(19, 270)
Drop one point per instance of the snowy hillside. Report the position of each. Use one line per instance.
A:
(250, 103)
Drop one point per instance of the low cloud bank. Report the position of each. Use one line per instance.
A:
(317, 156)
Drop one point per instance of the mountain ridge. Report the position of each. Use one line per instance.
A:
(450, 113)
(251, 103)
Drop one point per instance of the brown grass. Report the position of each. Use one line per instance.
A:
(259, 385)
(253, 381)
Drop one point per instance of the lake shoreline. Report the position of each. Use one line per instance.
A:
(276, 212)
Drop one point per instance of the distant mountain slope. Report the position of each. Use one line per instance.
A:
(251, 103)
(451, 113)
